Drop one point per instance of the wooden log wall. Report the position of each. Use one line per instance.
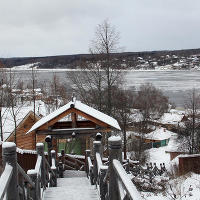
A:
(190, 163)
(26, 161)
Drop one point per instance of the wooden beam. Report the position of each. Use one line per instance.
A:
(79, 124)
(68, 133)
(86, 116)
(54, 120)
(74, 119)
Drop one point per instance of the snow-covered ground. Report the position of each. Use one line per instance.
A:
(26, 67)
(159, 155)
(186, 187)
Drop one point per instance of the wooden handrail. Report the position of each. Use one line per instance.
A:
(90, 165)
(26, 177)
(38, 164)
(125, 180)
(5, 180)
(112, 181)
(46, 162)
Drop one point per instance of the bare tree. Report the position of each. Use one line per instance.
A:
(97, 78)
(58, 90)
(33, 87)
(123, 103)
(151, 102)
(105, 43)
(190, 132)
(55, 92)
(3, 83)
(89, 84)
(14, 109)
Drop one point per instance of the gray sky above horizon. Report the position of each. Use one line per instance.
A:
(61, 27)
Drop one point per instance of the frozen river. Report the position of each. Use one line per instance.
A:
(175, 84)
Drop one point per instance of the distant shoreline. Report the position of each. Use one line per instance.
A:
(123, 70)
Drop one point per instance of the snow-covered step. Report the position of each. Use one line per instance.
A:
(74, 186)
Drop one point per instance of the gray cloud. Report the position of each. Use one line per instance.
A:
(53, 27)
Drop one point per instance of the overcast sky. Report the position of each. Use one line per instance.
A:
(60, 27)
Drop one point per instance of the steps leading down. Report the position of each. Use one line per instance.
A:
(74, 186)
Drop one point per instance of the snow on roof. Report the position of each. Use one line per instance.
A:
(21, 112)
(171, 118)
(159, 134)
(79, 106)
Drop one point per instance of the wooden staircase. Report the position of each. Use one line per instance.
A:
(74, 186)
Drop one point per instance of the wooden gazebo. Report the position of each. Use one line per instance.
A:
(74, 118)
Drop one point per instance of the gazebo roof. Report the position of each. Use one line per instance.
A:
(80, 108)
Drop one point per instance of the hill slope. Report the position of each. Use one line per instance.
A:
(133, 60)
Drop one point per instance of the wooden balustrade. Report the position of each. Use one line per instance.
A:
(112, 181)
(15, 184)
(9, 178)
(68, 162)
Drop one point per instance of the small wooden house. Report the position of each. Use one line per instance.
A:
(160, 137)
(157, 138)
(23, 140)
(74, 120)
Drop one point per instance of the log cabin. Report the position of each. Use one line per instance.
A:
(24, 141)
(74, 120)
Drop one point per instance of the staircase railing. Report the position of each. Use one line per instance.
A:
(43, 175)
(112, 181)
(15, 184)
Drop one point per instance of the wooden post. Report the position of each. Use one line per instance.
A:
(48, 140)
(102, 185)
(10, 156)
(40, 152)
(97, 149)
(115, 152)
(54, 169)
(87, 154)
(60, 169)
(34, 191)
(63, 156)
